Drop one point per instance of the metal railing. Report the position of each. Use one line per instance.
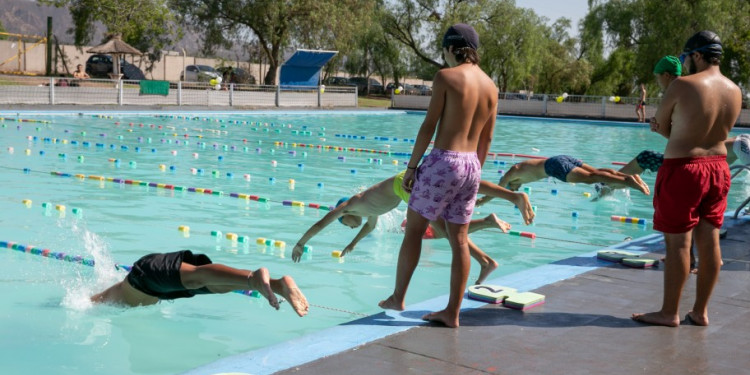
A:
(59, 91)
(577, 106)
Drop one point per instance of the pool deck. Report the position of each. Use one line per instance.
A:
(583, 328)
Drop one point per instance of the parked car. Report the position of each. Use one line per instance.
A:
(423, 89)
(410, 89)
(406, 89)
(375, 86)
(100, 66)
(338, 81)
(236, 75)
(199, 73)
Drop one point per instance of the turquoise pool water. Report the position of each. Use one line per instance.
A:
(48, 325)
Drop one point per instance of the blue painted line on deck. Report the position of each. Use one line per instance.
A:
(362, 331)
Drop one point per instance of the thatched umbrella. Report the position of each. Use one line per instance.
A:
(115, 47)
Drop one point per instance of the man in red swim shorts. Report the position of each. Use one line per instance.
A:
(690, 195)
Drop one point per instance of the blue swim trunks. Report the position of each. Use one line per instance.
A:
(559, 166)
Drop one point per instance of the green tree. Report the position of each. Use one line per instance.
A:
(637, 33)
(2, 30)
(561, 68)
(147, 25)
(276, 25)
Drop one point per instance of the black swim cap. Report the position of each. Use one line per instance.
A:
(461, 35)
(704, 41)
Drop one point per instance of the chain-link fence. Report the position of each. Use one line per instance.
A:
(578, 106)
(58, 90)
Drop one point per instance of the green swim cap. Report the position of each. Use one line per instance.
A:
(669, 64)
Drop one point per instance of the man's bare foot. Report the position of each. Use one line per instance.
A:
(497, 223)
(696, 320)
(657, 318)
(261, 281)
(442, 316)
(293, 295)
(391, 304)
(521, 201)
(486, 270)
(635, 182)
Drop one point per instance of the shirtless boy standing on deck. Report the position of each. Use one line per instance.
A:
(695, 116)
(464, 103)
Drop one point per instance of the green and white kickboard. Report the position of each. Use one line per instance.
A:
(524, 301)
(640, 262)
(490, 293)
(614, 255)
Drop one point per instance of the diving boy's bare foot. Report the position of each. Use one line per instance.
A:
(261, 282)
(442, 316)
(695, 319)
(497, 223)
(391, 304)
(635, 182)
(293, 295)
(486, 270)
(657, 318)
(523, 203)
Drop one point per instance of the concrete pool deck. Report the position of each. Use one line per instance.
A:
(583, 328)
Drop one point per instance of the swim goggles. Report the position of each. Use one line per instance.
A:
(684, 55)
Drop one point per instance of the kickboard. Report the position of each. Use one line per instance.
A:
(640, 262)
(524, 301)
(490, 293)
(614, 255)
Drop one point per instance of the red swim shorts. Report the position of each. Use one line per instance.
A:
(688, 190)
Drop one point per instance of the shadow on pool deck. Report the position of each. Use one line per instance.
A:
(584, 328)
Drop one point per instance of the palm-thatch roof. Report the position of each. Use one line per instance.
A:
(115, 45)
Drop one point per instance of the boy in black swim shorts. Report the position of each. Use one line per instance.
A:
(183, 274)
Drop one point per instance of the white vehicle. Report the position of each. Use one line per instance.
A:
(199, 73)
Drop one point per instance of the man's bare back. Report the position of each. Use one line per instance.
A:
(704, 107)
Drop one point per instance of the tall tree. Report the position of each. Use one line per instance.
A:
(145, 24)
(637, 33)
(276, 24)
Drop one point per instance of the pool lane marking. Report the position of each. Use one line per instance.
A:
(530, 235)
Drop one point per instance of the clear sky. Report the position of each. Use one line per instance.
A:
(575, 10)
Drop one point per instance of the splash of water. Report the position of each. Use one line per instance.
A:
(79, 289)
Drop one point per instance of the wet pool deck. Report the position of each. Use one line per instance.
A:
(583, 328)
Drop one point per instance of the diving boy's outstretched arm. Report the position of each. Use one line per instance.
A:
(329, 218)
(367, 228)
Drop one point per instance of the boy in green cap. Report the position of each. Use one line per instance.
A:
(666, 70)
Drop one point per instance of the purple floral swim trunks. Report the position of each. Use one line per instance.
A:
(446, 185)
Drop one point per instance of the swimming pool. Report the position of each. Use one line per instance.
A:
(48, 325)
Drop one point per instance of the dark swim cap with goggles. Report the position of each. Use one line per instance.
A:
(461, 35)
(703, 41)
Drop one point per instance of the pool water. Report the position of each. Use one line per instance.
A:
(48, 324)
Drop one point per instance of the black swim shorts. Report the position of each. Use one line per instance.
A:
(158, 275)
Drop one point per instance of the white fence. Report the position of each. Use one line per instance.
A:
(578, 106)
(57, 91)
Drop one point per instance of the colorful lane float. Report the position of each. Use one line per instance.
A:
(191, 189)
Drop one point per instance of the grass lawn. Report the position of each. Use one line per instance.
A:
(371, 102)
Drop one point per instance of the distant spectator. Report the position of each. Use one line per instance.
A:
(80, 73)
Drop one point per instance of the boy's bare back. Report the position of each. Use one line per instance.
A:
(469, 108)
